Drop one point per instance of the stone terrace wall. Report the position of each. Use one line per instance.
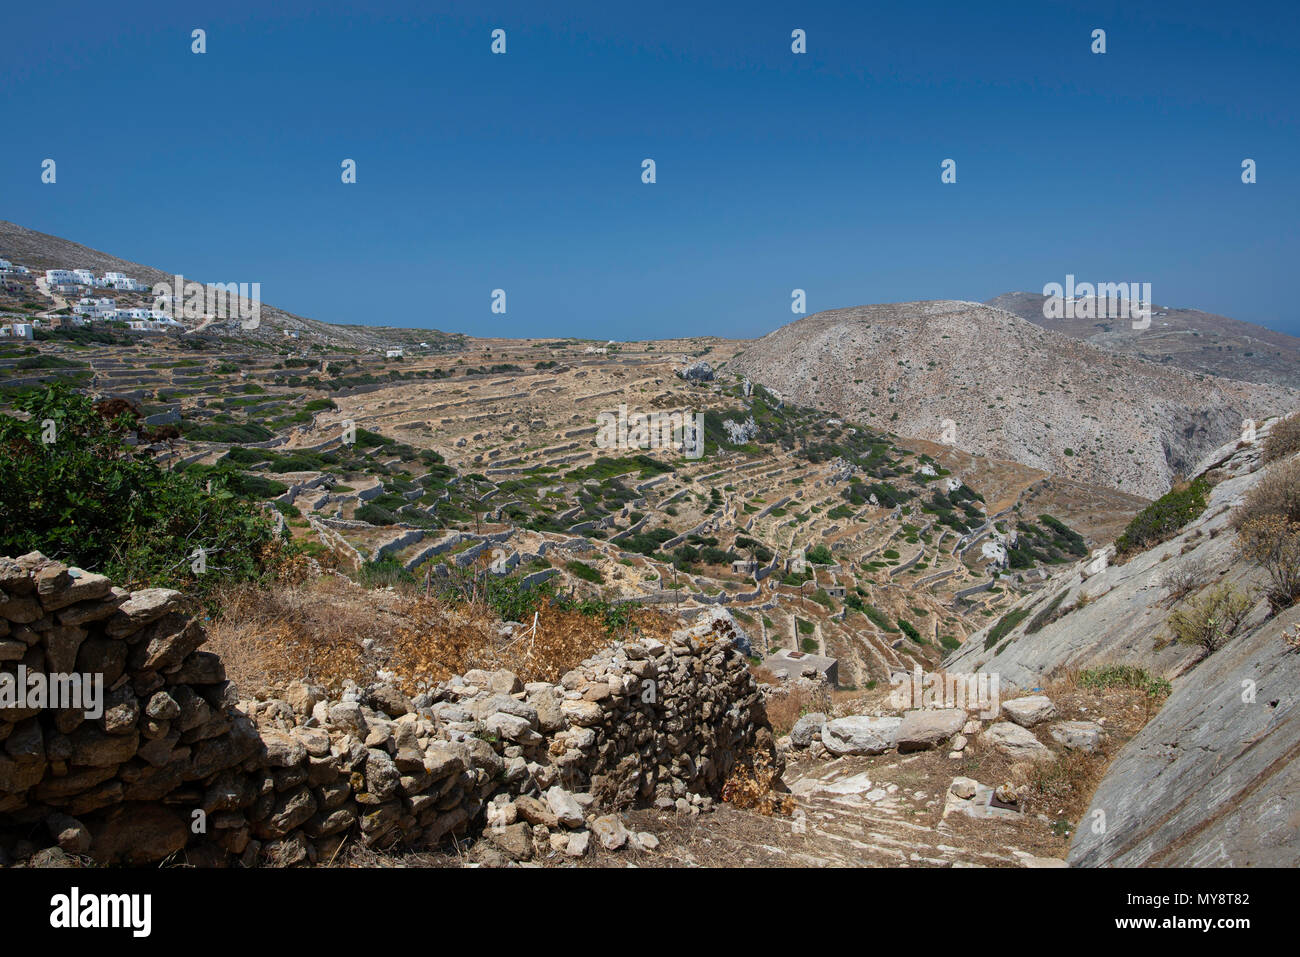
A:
(176, 764)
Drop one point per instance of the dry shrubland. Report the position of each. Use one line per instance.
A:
(1276, 493)
(329, 629)
(1283, 439)
(752, 785)
(788, 701)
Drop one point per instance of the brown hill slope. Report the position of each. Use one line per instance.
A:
(1010, 389)
(1187, 338)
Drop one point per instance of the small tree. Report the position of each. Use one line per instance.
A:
(1211, 620)
(1273, 543)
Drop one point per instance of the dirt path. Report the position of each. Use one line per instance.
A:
(853, 812)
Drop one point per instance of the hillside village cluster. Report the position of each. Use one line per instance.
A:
(87, 309)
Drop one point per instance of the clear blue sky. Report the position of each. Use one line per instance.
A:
(775, 171)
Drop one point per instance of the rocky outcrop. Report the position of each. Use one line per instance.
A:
(1214, 779)
(122, 740)
(1118, 614)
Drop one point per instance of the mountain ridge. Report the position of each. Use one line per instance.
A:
(1188, 338)
(1009, 388)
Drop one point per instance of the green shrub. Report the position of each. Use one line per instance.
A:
(820, 555)
(386, 571)
(375, 515)
(1163, 518)
(584, 571)
(1047, 615)
(1005, 624)
(91, 500)
(878, 617)
(1211, 620)
(1124, 676)
(910, 630)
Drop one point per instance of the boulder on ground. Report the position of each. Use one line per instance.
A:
(806, 728)
(1077, 735)
(860, 734)
(925, 729)
(1029, 711)
(1017, 742)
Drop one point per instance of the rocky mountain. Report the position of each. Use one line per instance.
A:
(41, 251)
(994, 384)
(1186, 338)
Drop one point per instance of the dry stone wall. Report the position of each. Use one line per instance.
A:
(122, 740)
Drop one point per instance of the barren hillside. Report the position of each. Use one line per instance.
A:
(1186, 338)
(1009, 389)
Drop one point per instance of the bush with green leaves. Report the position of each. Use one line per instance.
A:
(89, 499)
(1163, 518)
(1211, 620)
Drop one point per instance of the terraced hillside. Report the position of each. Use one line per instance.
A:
(821, 535)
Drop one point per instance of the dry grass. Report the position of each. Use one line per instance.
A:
(1276, 494)
(327, 629)
(789, 702)
(1283, 439)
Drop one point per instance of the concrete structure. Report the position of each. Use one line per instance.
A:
(797, 664)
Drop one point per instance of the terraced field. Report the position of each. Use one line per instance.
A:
(820, 535)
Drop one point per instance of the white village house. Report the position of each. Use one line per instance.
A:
(122, 281)
(18, 330)
(96, 308)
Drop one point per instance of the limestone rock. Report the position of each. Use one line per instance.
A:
(611, 831)
(861, 734)
(1029, 711)
(809, 725)
(925, 729)
(1077, 735)
(1016, 742)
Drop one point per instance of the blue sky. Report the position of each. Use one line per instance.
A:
(775, 171)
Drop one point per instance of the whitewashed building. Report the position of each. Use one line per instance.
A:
(123, 282)
(96, 308)
(60, 277)
(395, 353)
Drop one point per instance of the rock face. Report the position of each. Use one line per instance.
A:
(1211, 781)
(1016, 742)
(1116, 615)
(861, 734)
(288, 781)
(922, 730)
(699, 371)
